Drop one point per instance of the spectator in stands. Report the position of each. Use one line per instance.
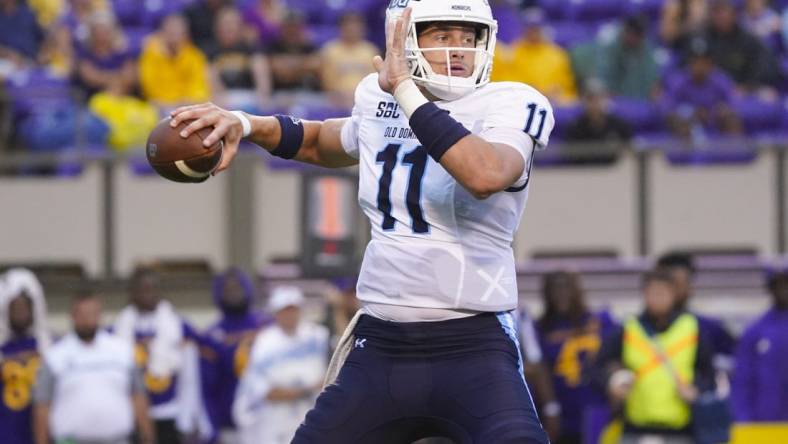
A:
(698, 99)
(240, 75)
(607, 132)
(629, 66)
(104, 62)
(265, 17)
(46, 11)
(20, 38)
(284, 375)
(535, 60)
(760, 377)
(681, 18)
(347, 59)
(23, 338)
(172, 70)
(165, 349)
(681, 269)
(656, 366)
(763, 22)
(202, 17)
(230, 341)
(88, 388)
(76, 17)
(295, 64)
(570, 335)
(736, 51)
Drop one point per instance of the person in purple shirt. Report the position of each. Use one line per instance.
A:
(570, 335)
(265, 18)
(19, 360)
(698, 98)
(229, 342)
(104, 62)
(760, 379)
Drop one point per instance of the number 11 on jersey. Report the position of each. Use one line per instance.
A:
(417, 160)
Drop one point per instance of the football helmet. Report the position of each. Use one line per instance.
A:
(476, 12)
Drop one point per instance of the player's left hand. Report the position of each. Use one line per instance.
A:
(394, 68)
(225, 126)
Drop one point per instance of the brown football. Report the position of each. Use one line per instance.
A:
(179, 159)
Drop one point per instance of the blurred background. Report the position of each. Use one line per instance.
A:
(670, 137)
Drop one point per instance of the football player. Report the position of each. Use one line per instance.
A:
(444, 161)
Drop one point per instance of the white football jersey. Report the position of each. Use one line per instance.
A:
(433, 244)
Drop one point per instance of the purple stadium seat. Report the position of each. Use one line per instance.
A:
(328, 12)
(128, 12)
(135, 13)
(650, 8)
(323, 33)
(569, 33)
(757, 115)
(325, 112)
(643, 115)
(563, 116)
(37, 89)
(784, 115)
(594, 10)
(554, 9)
(510, 27)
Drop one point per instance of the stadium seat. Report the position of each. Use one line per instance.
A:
(650, 8)
(643, 115)
(564, 115)
(569, 33)
(595, 10)
(510, 27)
(758, 115)
(323, 33)
(554, 9)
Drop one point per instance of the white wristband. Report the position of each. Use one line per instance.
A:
(409, 97)
(245, 123)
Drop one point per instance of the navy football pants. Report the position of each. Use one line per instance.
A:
(460, 379)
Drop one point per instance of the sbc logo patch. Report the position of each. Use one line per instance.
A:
(152, 150)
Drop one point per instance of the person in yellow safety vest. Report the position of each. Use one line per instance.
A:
(654, 367)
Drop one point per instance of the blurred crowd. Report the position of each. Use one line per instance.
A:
(149, 376)
(125, 63)
(688, 69)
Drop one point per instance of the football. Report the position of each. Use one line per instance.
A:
(179, 159)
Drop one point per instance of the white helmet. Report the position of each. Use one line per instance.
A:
(477, 12)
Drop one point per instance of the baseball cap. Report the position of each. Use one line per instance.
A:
(285, 296)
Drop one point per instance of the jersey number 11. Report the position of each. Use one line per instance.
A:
(417, 160)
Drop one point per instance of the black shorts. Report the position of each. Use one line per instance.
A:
(460, 379)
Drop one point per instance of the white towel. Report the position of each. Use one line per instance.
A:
(164, 352)
(344, 346)
(14, 282)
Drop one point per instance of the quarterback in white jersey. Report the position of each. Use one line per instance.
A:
(444, 162)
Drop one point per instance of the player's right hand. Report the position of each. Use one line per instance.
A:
(394, 69)
(226, 126)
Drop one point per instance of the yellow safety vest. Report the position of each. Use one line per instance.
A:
(654, 400)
